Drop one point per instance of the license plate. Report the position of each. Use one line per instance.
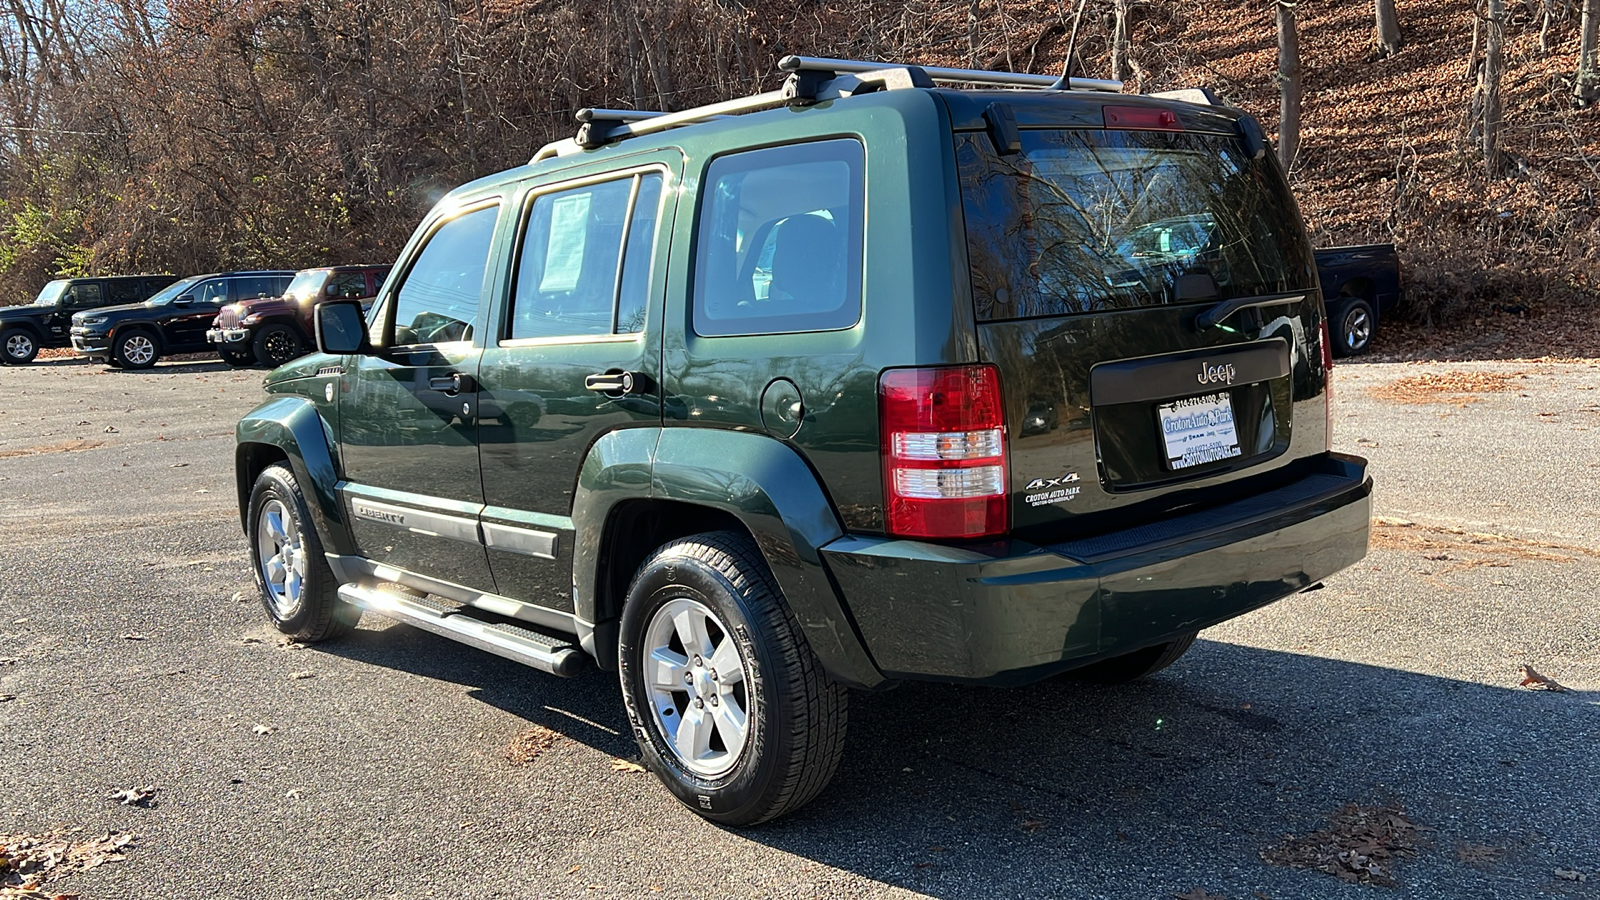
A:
(1198, 430)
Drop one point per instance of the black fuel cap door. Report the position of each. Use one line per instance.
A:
(782, 409)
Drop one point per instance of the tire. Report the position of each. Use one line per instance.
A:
(714, 590)
(1136, 665)
(18, 346)
(1352, 326)
(236, 357)
(135, 349)
(297, 588)
(277, 344)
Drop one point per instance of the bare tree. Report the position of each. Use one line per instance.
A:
(1119, 40)
(1289, 85)
(1489, 87)
(1388, 28)
(1586, 88)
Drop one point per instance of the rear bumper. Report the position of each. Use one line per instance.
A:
(1013, 612)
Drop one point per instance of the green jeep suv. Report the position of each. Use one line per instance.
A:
(858, 381)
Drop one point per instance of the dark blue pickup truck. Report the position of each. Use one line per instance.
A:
(1360, 285)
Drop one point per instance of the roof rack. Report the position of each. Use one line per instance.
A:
(811, 79)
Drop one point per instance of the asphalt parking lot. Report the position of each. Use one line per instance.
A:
(1383, 712)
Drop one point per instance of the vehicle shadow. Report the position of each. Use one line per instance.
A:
(1072, 789)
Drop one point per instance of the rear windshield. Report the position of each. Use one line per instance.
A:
(1087, 221)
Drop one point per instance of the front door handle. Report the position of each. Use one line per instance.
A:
(452, 384)
(617, 382)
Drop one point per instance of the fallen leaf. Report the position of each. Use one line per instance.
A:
(1199, 894)
(1532, 679)
(6, 697)
(574, 869)
(135, 796)
(263, 729)
(1032, 825)
(301, 676)
(134, 636)
(529, 745)
(1571, 875)
(623, 765)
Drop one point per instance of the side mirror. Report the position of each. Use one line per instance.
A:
(341, 327)
(184, 300)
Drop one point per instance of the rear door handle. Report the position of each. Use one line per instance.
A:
(452, 384)
(616, 382)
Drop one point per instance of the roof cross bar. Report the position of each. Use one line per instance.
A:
(940, 73)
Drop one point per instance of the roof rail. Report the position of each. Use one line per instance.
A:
(811, 79)
(940, 73)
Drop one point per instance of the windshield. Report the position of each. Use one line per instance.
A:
(172, 291)
(50, 294)
(1085, 221)
(306, 286)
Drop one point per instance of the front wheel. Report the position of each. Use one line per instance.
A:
(135, 350)
(277, 344)
(297, 588)
(1353, 324)
(17, 346)
(238, 357)
(729, 706)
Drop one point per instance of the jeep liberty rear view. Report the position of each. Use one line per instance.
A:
(858, 381)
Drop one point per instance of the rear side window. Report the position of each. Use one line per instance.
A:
(1086, 221)
(438, 301)
(260, 286)
(346, 286)
(124, 290)
(779, 247)
(585, 260)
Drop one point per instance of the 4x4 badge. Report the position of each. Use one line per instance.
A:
(1052, 490)
(1038, 483)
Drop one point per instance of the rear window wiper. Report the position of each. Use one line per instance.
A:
(1216, 314)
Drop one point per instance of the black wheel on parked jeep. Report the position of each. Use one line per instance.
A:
(277, 344)
(1136, 665)
(1352, 324)
(135, 349)
(238, 357)
(297, 587)
(17, 346)
(730, 708)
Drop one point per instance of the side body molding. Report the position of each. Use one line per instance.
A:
(293, 426)
(769, 487)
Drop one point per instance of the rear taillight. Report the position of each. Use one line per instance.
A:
(944, 452)
(1327, 381)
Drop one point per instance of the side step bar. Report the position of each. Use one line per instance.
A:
(523, 645)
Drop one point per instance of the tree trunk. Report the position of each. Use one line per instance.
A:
(1119, 40)
(1493, 68)
(1288, 85)
(1388, 28)
(1587, 86)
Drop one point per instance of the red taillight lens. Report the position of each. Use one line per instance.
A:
(1327, 380)
(1140, 118)
(944, 452)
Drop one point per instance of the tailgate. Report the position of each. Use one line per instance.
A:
(1150, 300)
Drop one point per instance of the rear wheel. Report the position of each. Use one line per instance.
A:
(277, 344)
(297, 588)
(237, 357)
(17, 346)
(1138, 664)
(135, 350)
(729, 706)
(1353, 324)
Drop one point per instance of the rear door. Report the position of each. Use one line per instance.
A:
(185, 324)
(578, 355)
(409, 417)
(1150, 300)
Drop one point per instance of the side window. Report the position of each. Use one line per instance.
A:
(585, 260)
(439, 298)
(214, 291)
(779, 249)
(348, 286)
(259, 286)
(83, 296)
(124, 290)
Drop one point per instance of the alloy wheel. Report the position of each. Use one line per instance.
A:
(700, 696)
(281, 550)
(138, 349)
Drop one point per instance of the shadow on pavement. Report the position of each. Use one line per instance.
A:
(1065, 788)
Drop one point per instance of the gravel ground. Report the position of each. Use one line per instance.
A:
(135, 655)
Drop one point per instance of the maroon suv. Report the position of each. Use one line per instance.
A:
(274, 330)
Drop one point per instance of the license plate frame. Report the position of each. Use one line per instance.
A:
(1198, 430)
